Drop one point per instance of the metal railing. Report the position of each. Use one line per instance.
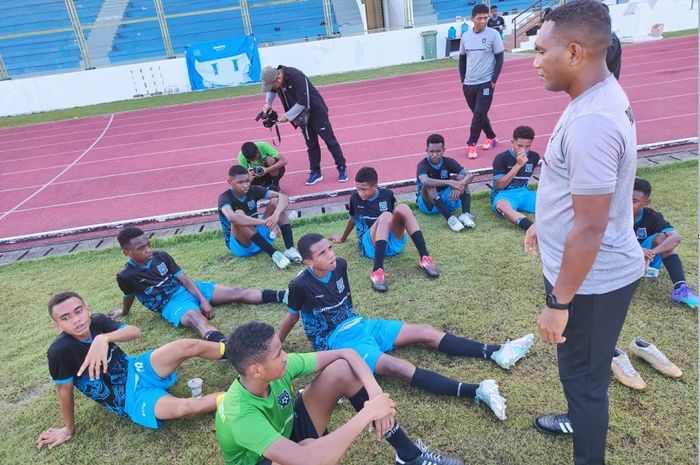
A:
(525, 17)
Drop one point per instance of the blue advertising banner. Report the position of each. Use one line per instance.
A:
(220, 63)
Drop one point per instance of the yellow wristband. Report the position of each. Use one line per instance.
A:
(222, 348)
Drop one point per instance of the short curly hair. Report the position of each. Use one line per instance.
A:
(248, 344)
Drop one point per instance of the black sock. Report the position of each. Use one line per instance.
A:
(455, 345)
(286, 230)
(466, 199)
(262, 243)
(524, 223)
(402, 444)
(442, 207)
(269, 296)
(379, 251)
(215, 336)
(675, 269)
(439, 384)
(419, 241)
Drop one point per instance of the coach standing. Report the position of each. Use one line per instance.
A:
(304, 109)
(591, 260)
(480, 63)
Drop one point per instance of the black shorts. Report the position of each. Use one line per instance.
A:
(303, 427)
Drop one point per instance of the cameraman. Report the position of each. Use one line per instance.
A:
(264, 163)
(291, 85)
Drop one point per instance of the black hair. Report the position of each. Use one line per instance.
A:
(305, 243)
(479, 8)
(494, 7)
(248, 344)
(524, 132)
(236, 170)
(126, 234)
(61, 297)
(435, 139)
(250, 151)
(643, 186)
(367, 174)
(586, 21)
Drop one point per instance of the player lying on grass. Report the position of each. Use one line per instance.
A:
(321, 295)
(244, 233)
(442, 186)
(659, 240)
(86, 357)
(265, 164)
(258, 422)
(511, 172)
(161, 286)
(381, 227)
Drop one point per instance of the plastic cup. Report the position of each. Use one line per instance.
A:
(195, 385)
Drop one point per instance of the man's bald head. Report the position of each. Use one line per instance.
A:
(586, 22)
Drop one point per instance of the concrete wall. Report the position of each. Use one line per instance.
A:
(366, 51)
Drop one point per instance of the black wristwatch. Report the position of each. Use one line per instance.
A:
(551, 302)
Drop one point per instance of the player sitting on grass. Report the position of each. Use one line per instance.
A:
(86, 357)
(381, 226)
(511, 172)
(264, 163)
(161, 286)
(321, 294)
(437, 191)
(659, 241)
(244, 233)
(258, 422)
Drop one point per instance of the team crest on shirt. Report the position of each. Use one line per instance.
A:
(528, 167)
(251, 204)
(483, 41)
(284, 399)
(444, 174)
(641, 233)
(340, 284)
(383, 206)
(162, 269)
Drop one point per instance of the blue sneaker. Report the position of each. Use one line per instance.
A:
(512, 351)
(685, 295)
(313, 178)
(342, 174)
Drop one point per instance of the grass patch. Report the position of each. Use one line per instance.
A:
(215, 94)
(489, 290)
(681, 33)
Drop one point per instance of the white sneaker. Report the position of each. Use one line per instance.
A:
(512, 351)
(652, 272)
(293, 254)
(487, 392)
(280, 260)
(467, 220)
(454, 224)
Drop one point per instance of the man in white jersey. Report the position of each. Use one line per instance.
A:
(591, 259)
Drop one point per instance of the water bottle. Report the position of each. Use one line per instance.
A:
(465, 27)
(452, 33)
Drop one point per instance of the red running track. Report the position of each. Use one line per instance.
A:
(166, 160)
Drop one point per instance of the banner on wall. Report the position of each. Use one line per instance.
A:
(219, 63)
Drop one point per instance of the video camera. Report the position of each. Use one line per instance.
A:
(269, 118)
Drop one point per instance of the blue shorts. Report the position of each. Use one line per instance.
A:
(521, 199)
(182, 301)
(445, 196)
(394, 246)
(239, 251)
(648, 243)
(370, 338)
(143, 389)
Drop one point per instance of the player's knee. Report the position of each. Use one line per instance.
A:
(503, 206)
(399, 369)
(340, 371)
(385, 218)
(426, 333)
(404, 210)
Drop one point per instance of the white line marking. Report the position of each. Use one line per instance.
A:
(41, 189)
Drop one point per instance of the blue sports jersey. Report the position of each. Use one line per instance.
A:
(443, 170)
(366, 212)
(248, 204)
(650, 222)
(505, 161)
(154, 283)
(66, 354)
(323, 303)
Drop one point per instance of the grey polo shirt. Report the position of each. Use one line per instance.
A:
(592, 151)
(480, 49)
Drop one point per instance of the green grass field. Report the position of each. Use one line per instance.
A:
(489, 290)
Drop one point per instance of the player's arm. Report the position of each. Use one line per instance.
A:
(96, 361)
(504, 181)
(204, 305)
(465, 177)
(349, 226)
(357, 365)
(328, 449)
(667, 245)
(430, 182)
(287, 325)
(53, 437)
(127, 302)
(462, 60)
(282, 203)
(280, 162)
(240, 218)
